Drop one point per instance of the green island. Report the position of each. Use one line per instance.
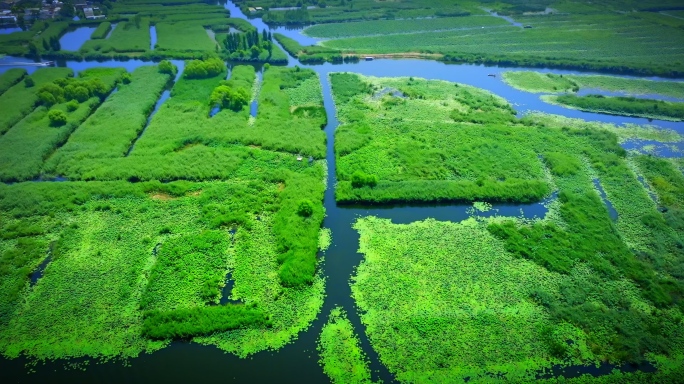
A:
(344, 191)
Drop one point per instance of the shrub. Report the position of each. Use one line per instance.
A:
(126, 78)
(229, 97)
(305, 208)
(198, 69)
(361, 179)
(72, 105)
(167, 67)
(28, 82)
(57, 117)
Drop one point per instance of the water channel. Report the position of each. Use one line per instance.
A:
(297, 362)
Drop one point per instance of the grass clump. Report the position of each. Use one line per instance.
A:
(187, 323)
(540, 82)
(340, 354)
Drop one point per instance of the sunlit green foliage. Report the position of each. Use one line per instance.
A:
(626, 106)
(24, 148)
(549, 83)
(441, 300)
(341, 356)
(20, 100)
(199, 69)
(112, 128)
(308, 54)
(10, 77)
(185, 323)
(255, 271)
(416, 140)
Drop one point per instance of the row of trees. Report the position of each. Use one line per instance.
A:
(251, 42)
(63, 90)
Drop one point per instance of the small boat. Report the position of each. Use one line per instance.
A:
(368, 58)
(491, 75)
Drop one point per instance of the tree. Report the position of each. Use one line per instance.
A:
(126, 78)
(72, 105)
(166, 66)
(57, 117)
(67, 9)
(28, 82)
(54, 43)
(255, 51)
(305, 208)
(46, 46)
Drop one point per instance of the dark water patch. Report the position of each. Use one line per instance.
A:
(153, 37)
(40, 270)
(227, 291)
(611, 210)
(74, 39)
(111, 29)
(596, 371)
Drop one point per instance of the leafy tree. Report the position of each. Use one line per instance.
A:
(126, 78)
(33, 51)
(46, 46)
(57, 117)
(166, 66)
(305, 208)
(28, 82)
(67, 9)
(361, 179)
(72, 105)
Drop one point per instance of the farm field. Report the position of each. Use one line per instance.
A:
(251, 228)
(416, 192)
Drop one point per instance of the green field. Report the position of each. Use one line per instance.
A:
(127, 37)
(624, 106)
(166, 248)
(11, 77)
(183, 36)
(594, 41)
(549, 83)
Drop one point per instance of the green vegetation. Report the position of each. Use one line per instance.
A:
(113, 127)
(404, 140)
(185, 323)
(102, 30)
(570, 39)
(183, 36)
(199, 69)
(20, 100)
(387, 27)
(333, 11)
(626, 106)
(311, 53)
(341, 356)
(26, 146)
(11, 77)
(129, 36)
(549, 83)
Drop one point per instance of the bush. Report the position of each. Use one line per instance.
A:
(57, 117)
(72, 105)
(361, 179)
(229, 97)
(28, 82)
(199, 69)
(167, 67)
(305, 208)
(126, 78)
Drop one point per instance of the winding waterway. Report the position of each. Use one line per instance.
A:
(298, 362)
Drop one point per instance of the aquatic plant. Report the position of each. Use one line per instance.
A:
(340, 354)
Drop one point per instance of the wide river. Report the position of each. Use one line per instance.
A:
(298, 361)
